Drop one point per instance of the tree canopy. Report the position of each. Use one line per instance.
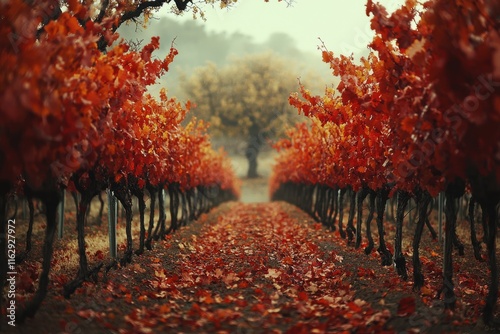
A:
(246, 99)
(250, 92)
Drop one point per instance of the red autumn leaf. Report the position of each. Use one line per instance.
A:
(99, 255)
(26, 282)
(302, 296)
(406, 306)
(365, 272)
(261, 308)
(243, 284)
(241, 303)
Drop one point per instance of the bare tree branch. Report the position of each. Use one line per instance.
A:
(102, 12)
(133, 14)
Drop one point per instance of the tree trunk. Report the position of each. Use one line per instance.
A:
(350, 221)
(361, 195)
(475, 243)
(153, 192)
(453, 191)
(22, 256)
(173, 192)
(251, 155)
(252, 151)
(50, 199)
(142, 208)
(101, 208)
(341, 211)
(423, 199)
(372, 196)
(381, 201)
(486, 191)
(399, 259)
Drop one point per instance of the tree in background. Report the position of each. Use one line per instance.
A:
(246, 99)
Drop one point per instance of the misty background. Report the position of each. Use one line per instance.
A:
(197, 46)
(256, 27)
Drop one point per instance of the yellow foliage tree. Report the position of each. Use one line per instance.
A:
(247, 98)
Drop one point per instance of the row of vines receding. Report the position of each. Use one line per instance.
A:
(419, 116)
(76, 115)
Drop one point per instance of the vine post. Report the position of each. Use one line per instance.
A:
(61, 208)
(112, 210)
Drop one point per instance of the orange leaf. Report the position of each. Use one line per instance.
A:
(327, 56)
(362, 169)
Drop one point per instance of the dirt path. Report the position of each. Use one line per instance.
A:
(254, 190)
(246, 268)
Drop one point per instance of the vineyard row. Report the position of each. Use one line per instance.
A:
(77, 115)
(419, 116)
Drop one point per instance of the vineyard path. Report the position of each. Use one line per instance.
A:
(246, 268)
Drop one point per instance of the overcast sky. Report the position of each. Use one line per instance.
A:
(341, 24)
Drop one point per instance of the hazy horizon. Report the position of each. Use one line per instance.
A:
(342, 26)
